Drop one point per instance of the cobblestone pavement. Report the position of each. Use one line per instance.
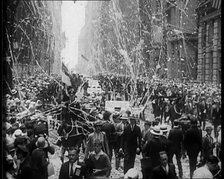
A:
(55, 159)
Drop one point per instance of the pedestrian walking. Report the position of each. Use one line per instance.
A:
(176, 138)
(131, 143)
(151, 151)
(192, 144)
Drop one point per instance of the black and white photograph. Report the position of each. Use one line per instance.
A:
(111, 89)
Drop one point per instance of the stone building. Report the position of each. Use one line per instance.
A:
(209, 41)
(152, 28)
(87, 38)
(102, 37)
(181, 29)
(37, 38)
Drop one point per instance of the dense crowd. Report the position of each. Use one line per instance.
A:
(26, 137)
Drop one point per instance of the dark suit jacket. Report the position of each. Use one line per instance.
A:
(152, 148)
(159, 173)
(176, 137)
(64, 171)
(193, 140)
(131, 139)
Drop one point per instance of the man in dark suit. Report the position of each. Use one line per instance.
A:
(72, 169)
(131, 143)
(193, 144)
(151, 151)
(165, 170)
(176, 138)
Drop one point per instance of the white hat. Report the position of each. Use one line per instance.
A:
(8, 125)
(131, 173)
(17, 133)
(14, 91)
(38, 103)
(156, 131)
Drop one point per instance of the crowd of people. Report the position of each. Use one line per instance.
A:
(26, 138)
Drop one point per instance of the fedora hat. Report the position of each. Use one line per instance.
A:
(156, 131)
(41, 143)
(208, 128)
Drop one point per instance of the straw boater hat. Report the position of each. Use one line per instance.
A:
(156, 131)
(17, 133)
(164, 128)
(131, 174)
(98, 123)
(38, 103)
(14, 91)
(41, 143)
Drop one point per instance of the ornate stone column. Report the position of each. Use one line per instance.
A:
(215, 52)
(200, 54)
(207, 55)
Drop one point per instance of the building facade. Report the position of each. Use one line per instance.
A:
(181, 29)
(209, 41)
(37, 39)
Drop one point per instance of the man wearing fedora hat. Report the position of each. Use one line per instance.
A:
(131, 143)
(207, 144)
(151, 150)
(42, 143)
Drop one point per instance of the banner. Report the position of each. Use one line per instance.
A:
(120, 106)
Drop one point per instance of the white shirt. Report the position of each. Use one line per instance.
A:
(166, 169)
(73, 167)
(202, 172)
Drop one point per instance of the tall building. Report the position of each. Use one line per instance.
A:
(87, 38)
(37, 38)
(209, 41)
(152, 31)
(181, 29)
(111, 27)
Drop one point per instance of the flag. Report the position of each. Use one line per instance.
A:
(65, 79)
(65, 75)
(216, 4)
(65, 69)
